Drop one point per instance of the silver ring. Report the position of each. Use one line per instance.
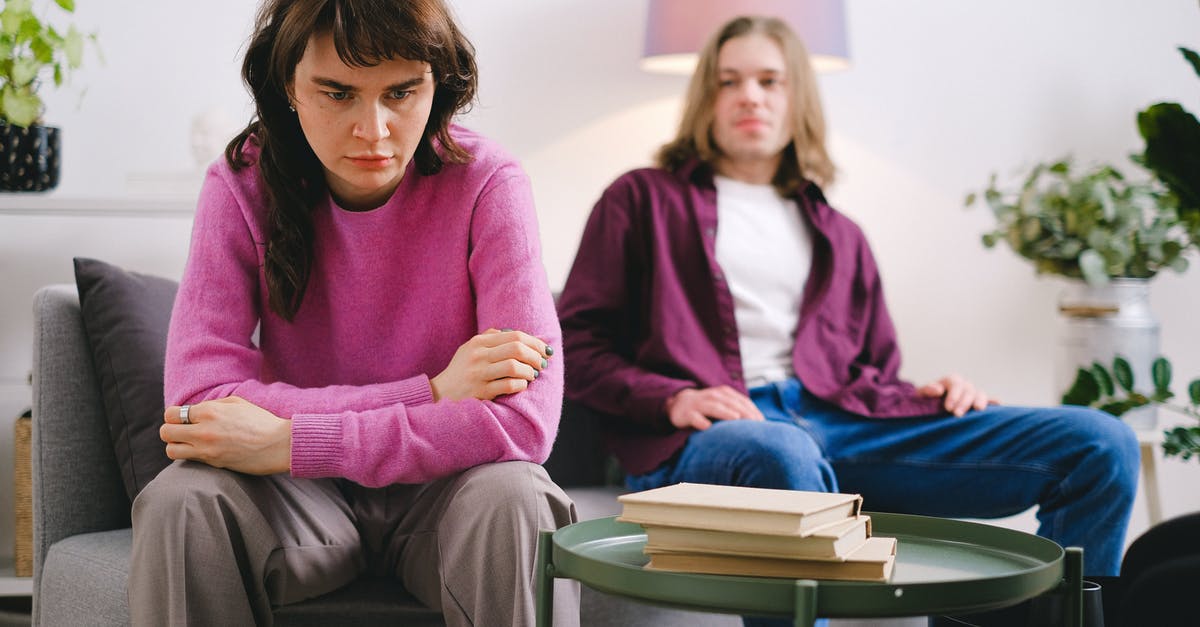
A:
(183, 414)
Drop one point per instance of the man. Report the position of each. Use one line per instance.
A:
(733, 328)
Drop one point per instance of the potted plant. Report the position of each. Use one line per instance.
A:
(1114, 392)
(1110, 235)
(31, 52)
(1093, 226)
(1172, 151)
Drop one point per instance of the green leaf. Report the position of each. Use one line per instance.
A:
(19, 6)
(1194, 391)
(970, 199)
(30, 27)
(1160, 372)
(1102, 377)
(73, 47)
(1123, 373)
(24, 71)
(1173, 149)
(1182, 441)
(67, 5)
(10, 22)
(1192, 58)
(43, 51)
(1119, 408)
(20, 106)
(1092, 265)
(1162, 396)
(1084, 391)
(58, 75)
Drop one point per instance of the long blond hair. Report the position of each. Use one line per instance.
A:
(805, 157)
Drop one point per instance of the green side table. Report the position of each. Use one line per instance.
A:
(942, 567)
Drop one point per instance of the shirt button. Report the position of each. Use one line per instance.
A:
(710, 232)
(736, 376)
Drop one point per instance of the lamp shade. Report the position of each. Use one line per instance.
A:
(677, 29)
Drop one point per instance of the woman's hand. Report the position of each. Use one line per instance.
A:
(697, 408)
(491, 364)
(961, 395)
(230, 433)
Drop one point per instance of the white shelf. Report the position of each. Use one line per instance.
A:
(51, 204)
(13, 586)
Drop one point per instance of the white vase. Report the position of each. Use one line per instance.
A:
(1099, 323)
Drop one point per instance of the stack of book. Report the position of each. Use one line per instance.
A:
(730, 530)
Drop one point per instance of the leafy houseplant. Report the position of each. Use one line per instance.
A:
(1113, 391)
(31, 51)
(1090, 226)
(1173, 151)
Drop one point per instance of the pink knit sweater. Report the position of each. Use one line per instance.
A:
(393, 293)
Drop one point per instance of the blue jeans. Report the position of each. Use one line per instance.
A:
(1080, 466)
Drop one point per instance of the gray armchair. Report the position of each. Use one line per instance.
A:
(82, 534)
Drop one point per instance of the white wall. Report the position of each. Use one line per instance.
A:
(941, 94)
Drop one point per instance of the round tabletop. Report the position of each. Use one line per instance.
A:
(942, 566)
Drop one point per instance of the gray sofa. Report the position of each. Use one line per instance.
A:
(82, 531)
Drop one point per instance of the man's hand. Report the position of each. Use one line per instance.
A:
(230, 433)
(697, 408)
(961, 395)
(491, 364)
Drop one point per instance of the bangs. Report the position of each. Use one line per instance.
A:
(366, 33)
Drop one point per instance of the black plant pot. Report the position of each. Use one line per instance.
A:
(29, 157)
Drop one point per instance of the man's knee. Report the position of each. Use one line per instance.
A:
(774, 455)
(1112, 447)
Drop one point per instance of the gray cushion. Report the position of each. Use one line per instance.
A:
(126, 316)
(83, 580)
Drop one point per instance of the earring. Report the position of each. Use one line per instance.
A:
(292, 108)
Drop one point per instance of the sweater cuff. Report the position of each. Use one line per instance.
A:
(411, 391)
(316, 445)
(651, 405)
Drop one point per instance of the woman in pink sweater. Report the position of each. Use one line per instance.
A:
(360, 365)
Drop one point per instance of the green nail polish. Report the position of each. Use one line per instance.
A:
(549, 350)
(543, 363)
(535, 374)
(506, 330)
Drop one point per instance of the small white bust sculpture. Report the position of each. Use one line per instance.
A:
(211, 131)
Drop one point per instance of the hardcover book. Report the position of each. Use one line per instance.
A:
(833, 542)
(737, 508)
(873, 561)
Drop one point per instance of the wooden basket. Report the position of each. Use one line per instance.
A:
(23, 497)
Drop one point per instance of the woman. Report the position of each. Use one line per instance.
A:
(383, 256)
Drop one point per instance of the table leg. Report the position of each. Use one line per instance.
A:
(1073, 606)
(806, 602)
(1150, 480)
(545, 579)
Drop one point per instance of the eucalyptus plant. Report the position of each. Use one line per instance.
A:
(1113, 391)
(31, 50)
(1093, 226)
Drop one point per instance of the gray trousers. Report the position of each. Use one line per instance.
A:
(216, 547)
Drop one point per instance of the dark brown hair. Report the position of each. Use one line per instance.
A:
(365, 33)
(805, 157)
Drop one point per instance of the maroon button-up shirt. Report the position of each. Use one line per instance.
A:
(646, 312)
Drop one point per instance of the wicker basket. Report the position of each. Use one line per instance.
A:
(23, 497)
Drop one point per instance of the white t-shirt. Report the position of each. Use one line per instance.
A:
(765, 250)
